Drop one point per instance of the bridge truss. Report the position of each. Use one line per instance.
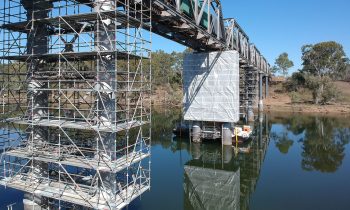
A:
(200, 25)
(75, 78)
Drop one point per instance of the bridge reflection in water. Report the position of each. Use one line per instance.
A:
(215, 178)
(218, 178)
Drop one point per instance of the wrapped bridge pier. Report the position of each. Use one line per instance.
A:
(211, 93)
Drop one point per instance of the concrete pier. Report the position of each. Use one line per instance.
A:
(226, 134)
(250, 114)
(37, 44)
(196, 132)
(105, 40)
(266, 86)
(260, 105)
(30, 204)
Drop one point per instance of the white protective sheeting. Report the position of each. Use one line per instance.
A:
(211, 86)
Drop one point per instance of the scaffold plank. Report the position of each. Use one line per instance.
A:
(70, 56)
(81, 161)
(79, 124)
(68, 22)
(72, 193)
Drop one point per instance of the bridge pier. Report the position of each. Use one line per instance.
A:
(260, 105)
(226, 136)
(31, 204)
(38, 98)
(250, 114)
(196, 132)
(105, 82)
(266, 86)
(211, 94)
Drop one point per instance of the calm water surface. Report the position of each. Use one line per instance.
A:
(294, 162)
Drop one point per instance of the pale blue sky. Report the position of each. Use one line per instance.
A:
(285, 25)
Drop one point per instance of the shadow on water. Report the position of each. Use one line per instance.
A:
(208, 176)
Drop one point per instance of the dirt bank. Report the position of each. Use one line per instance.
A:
(280, 101)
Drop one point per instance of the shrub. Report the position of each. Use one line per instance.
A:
(295, 97)
(330, 93)
(296, 81)
(323, 89)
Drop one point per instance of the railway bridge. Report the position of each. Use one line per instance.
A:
(75, 85)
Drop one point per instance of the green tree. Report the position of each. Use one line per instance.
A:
(283, 64)
(322, 62)
(167, 68)
(346, 75)
(296, 81)
(274, 69)
(161, 67)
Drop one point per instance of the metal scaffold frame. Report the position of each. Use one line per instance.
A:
(75, 80)
(252, 64)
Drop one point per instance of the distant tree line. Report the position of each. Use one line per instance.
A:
(167, 68)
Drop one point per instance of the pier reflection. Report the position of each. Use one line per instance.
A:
(219, 178)
(212, 179)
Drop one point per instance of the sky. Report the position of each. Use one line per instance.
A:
(277, 26)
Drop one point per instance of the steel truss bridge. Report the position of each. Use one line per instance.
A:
(201, 26)
(75, 80)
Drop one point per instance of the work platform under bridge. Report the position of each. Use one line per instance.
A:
(75, 85)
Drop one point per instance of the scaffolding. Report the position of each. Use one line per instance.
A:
(248, 88)
(75, 86)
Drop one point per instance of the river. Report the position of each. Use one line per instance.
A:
(293, 162)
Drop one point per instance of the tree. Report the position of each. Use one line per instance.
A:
(296, 81)
(323, 61)
(274, 69)
(346, 75)
(283, 63)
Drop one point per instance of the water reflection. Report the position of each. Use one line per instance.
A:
(323, 140)
(211, 179)
(282, 141)
(215, 178)
(218, 178)
(283, 157)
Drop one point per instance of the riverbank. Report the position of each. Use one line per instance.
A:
(307, 108)
(167, 96)
(280, 101)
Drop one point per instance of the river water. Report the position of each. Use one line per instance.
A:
(293, 162)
